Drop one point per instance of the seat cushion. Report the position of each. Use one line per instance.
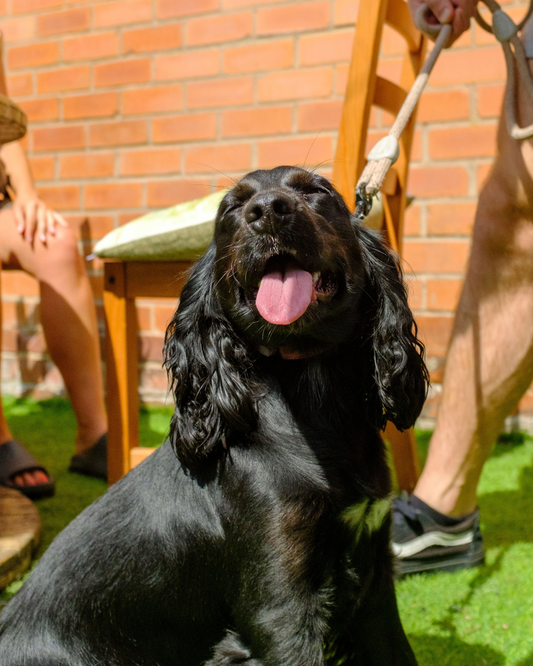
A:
(178, 233)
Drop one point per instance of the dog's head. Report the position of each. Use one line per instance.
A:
(289, 272)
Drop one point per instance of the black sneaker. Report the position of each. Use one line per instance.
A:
(425, 540)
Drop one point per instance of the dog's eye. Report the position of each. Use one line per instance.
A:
(313, 191)
(231, 208)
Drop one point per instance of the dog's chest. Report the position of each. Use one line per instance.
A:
(319, 535)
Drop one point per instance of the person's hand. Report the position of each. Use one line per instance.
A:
(456, 12)
(35, 219)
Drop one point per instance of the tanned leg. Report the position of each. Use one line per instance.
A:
(69, 323)
(490, 360)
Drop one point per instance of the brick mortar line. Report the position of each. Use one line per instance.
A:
(433, 314)
(426, 313)
(461, 162)
(444, 200)
(430, 240)
(131, 148)
(253, 40)
(460, 123)
(99, 150)
(93, 63)
(424, 219)
(178, 113)
(440, 238)
(424, 279)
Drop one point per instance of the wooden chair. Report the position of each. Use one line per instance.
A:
(125, 281)
(365, 89)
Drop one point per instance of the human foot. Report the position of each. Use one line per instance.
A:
(92, 461)
(19, 469)
(426, 540)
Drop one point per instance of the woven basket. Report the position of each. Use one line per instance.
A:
(12, 121)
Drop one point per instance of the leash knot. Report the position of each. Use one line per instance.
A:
(503, 26)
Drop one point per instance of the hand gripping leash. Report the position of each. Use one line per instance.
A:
(386, 151)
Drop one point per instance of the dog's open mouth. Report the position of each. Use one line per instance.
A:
(286, 290)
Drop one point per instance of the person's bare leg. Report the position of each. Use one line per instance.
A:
(69, 323)
(490, 360)
(68, 317)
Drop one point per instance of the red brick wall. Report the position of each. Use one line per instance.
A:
(135, 105)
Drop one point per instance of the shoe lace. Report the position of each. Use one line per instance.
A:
(402, 507)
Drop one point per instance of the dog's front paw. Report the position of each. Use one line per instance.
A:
(230, 651)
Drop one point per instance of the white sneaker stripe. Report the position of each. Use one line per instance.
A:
(424, 541)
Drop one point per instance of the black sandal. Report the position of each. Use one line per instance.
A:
(93, 461)
(16, 459)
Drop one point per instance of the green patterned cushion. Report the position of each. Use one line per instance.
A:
(179, 233)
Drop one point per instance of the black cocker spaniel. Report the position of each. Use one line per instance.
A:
(266, 541)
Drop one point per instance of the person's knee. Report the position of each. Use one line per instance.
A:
(61, 253)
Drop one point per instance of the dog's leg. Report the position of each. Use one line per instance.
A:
(287, 631)
(282, 644)
(379, 622)
(231, 650)
(378, 637)
(370, 632)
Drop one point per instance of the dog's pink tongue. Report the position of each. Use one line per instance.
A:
(282, 298)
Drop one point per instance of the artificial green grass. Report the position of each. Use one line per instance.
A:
(477, 617)
(484, 615)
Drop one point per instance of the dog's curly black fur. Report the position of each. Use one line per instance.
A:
(267, 544)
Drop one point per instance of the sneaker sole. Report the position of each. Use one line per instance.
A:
(446, 563)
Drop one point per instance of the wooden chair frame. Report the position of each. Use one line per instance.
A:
(124, 281)
(365, 89)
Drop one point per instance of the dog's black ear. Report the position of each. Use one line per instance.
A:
(209, 371)
(397, 377)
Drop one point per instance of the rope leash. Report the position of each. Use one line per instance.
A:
(505, 31)
(387, 150)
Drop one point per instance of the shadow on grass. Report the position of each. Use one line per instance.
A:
(506, 514)
(508, 441)
(449, 648)
(452, 651)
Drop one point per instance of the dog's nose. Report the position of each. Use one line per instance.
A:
(267, 211)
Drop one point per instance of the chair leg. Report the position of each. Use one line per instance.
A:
(405, 456)
(122, 373)
(364, 89)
